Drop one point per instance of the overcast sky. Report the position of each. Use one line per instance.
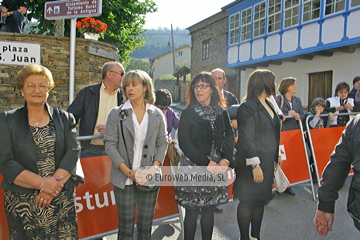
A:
(182, 13)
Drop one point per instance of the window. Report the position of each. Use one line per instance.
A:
(246, 24)
(355, 3)
(259, 19)
(205, 50)
(234, 28)
(311, 9)
(179, 53)
(292, 8)
(333, 6)
(274, 15)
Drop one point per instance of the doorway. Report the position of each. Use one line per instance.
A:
(320, 85)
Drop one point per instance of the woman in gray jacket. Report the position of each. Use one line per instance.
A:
(135, 138)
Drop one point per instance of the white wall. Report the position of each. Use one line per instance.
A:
(345, 67)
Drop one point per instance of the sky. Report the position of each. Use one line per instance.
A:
(182, 13)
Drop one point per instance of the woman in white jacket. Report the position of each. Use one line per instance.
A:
(340, 103)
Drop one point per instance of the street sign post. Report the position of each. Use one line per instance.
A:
(72, 9)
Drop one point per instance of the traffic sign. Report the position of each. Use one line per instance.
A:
(72, 9)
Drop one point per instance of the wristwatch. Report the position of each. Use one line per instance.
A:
(156, 167)
(254, 166)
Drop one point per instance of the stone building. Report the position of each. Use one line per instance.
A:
(53, 53)
(209, 40)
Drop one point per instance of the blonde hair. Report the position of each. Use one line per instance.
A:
(145, 79)
(34, 69)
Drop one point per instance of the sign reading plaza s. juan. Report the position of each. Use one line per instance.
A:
(19, 53)
(72, 9)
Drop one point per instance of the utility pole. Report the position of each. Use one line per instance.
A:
(173, 48)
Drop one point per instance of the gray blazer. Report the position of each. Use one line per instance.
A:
(291, 123)
(155, 145)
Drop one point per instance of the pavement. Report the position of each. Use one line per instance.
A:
(285, 217)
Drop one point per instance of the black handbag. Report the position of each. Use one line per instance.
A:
(149, 187)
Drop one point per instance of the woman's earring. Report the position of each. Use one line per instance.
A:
(22, 94)
(144, 94)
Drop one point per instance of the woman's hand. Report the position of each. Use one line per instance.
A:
(43, 200)
(258, 174)
(279, 163)
(223, 166)
(348, 106)
(212, 167)
(52, 186)
(331, 116)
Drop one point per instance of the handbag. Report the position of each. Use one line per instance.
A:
(149, 187)
(280, 180)
(172, 153)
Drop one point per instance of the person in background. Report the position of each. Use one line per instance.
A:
(38, 159)
(341, 103)
(14, 11)
(257, 152)
(220, 78)
(346, 155)
(230, 98)
(289, 105)
(317, 108)
(163, 102)
(135, 137)
(206, 139)
(356, 87)
(93, 104)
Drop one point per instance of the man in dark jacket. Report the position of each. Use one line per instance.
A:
(93, 104)
(14, 11)
(346, 155)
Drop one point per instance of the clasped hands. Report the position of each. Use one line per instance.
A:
(50, 189)
(141, 176)
(218, 168)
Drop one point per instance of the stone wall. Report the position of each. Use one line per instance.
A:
(176, 92)
(90, 56)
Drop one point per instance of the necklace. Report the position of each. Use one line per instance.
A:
(37, 122)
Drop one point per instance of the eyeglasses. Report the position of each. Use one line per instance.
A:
(43, 87)
(201, 86)
(121, 73)
(162, 108)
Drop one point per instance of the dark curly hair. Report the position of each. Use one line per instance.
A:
(163, 97)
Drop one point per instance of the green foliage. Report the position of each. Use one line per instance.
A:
(125, 19)
(167, 77)
(141, 64)
(158, 41)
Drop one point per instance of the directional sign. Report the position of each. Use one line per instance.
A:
(72, 9)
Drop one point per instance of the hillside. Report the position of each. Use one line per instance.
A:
(158, 41)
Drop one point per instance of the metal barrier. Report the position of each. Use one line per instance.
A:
(333, 139)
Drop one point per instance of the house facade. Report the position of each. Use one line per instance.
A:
(209, 40)
(164, 63)
(315, 41)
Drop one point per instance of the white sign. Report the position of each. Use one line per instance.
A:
(19, 53)
(282, 152)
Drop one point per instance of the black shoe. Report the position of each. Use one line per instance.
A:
(289, 191)
(218, 209)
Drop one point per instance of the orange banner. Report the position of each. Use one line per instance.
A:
(293, 155)
(95, 201)
(324, 141)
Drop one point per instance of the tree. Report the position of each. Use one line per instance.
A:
(125, 19)
(141, 64)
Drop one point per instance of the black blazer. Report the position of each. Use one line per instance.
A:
(85, 108)
(259, 135)
(195, 137)
(18, 149)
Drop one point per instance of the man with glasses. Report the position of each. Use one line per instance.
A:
(93, 104)
(230, 99)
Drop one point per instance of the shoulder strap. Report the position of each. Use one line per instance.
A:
(281, 102)
(122, 134)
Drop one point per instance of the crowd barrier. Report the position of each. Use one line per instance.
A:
(322, 143)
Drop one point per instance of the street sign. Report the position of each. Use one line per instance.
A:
(72, 9)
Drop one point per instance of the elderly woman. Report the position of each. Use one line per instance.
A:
(207, 140)
(341, 103)
(290, 104)
(257, 151)
(163, 102)
(38, 158)
(135, 137)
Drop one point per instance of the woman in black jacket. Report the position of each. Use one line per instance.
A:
(257, 152)
(207, 140)
(38, 162)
